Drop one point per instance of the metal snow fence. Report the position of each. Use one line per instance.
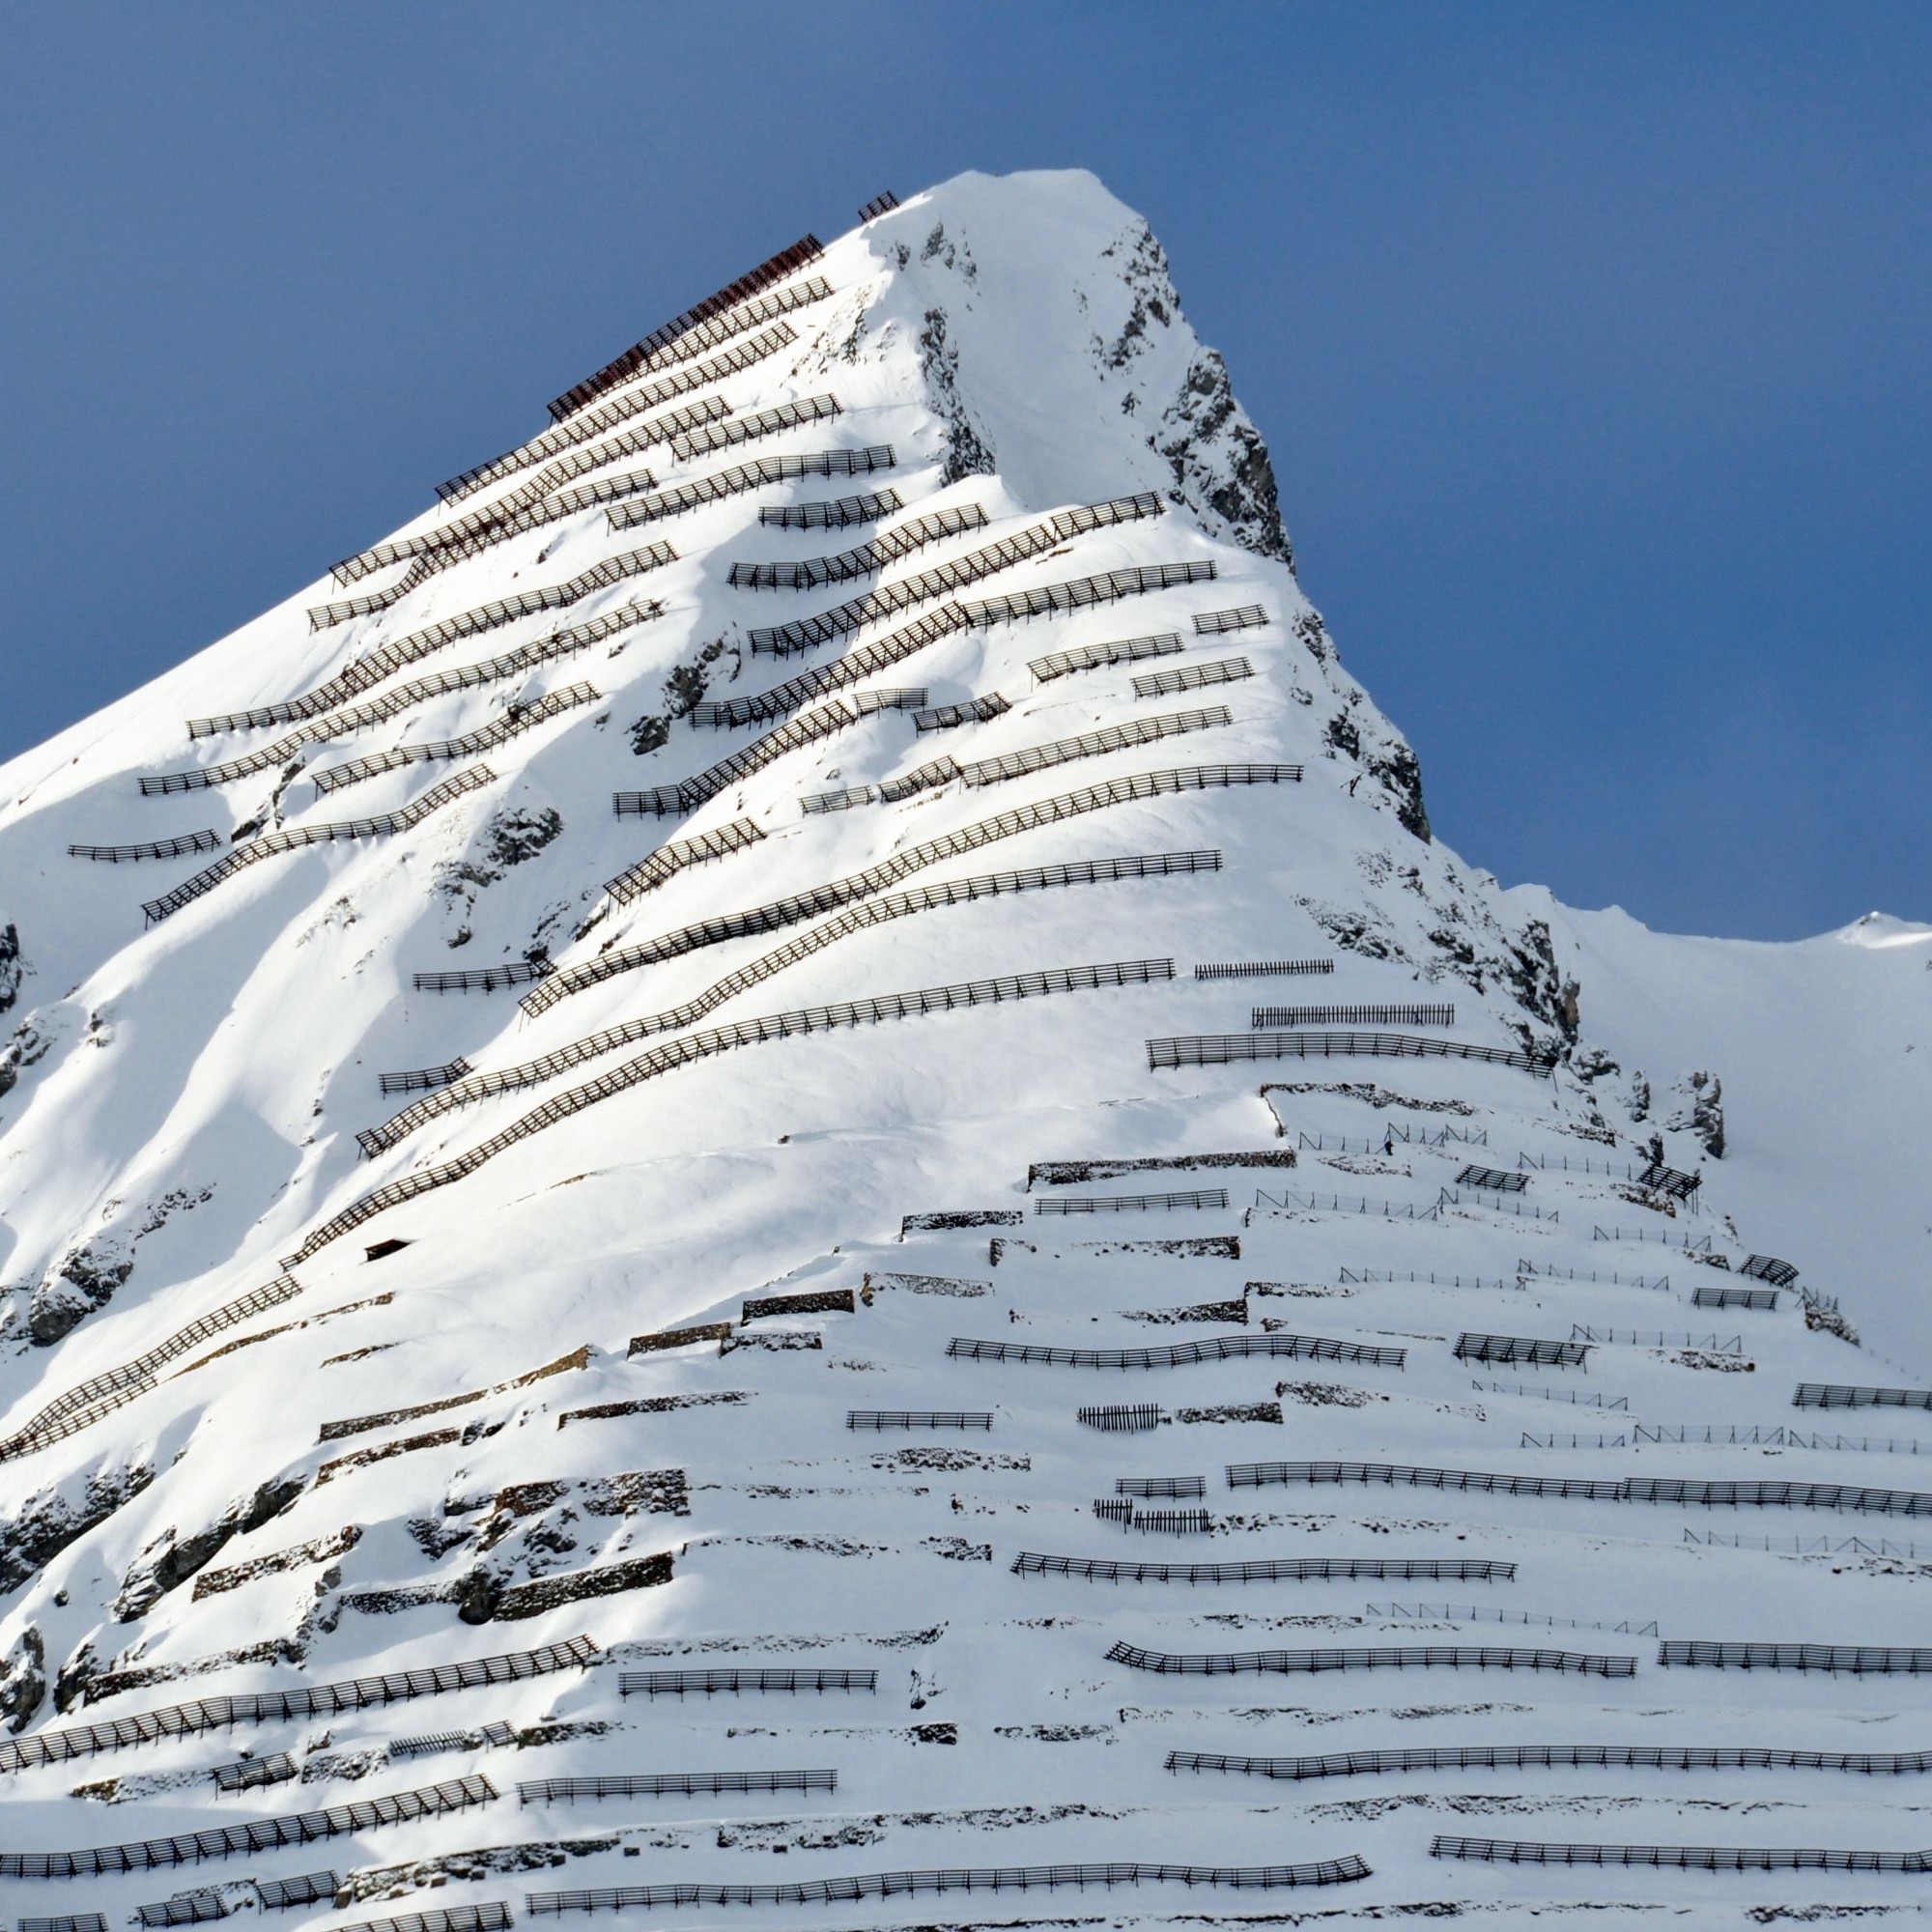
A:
(855, 886)
(258, 1835)
(155, 848)
(1813, 1546)
(880, 203)
(247, 1774)
(973, 711)
(493, 1916)
(699, 491)
(402, 697)
(1767, 1267)
(1193, 677)
(838, 801)
(211, 1713)
(918, 1418)
(1498, 1203)
(1113, 1509)
(1373, 1275)
(435, 1742)
(834, 514)
(1714, 1296)
(1551, 1757)
(1288, 1202)
(1171, 1522)
(1261, 969)
(1127, 1203)
(1217, 1349)
(1160, 1486)
(639, 358)
(426, 1079)
(1841, 1395)
(672, 1784)
(1094, 657)
(69, 1922)
(1389, 1657)
(987, 1878)
(1659, 1282)
(1093, 744)
(1678, 1857)
(1122, 1418)
(1495, 1179)
(294, 837)
(484, 979)
(865, 559)
(686, 1048)
(1573, 1441)
(1474, 1347)
(1856, 1659)
(670, 860)
(736, 1683)
(1219, 1049)
(514, 721)
(1245, 617)
(1657, 1338)
(1273, 1570)
(733, 430)
(1581, 1398)
(386, 659)
(1398, 1015)
(1084, 593)
(1491, 1613)
(1660, 1236)
(1035, 540)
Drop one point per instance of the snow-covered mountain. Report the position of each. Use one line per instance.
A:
(783, 1140)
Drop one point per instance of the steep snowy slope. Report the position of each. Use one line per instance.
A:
(657, 1141)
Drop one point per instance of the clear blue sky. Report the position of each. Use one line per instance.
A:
(1590, 343)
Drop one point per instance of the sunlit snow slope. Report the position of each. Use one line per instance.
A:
(644, 1266)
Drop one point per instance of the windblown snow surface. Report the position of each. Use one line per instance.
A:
(591, 1373)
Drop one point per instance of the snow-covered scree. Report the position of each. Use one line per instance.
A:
(978, 1258)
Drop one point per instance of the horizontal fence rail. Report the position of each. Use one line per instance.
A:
(1301, 1016)
(484, 979)
(837, 514)
(1093, 744)
(421, 1079)
(1594, 1488)
(892, 599)
(385, 660)
(1678, 1857)
(736, 1683)
(855, 919)
(1094, 657)
(1550, 1757)
(1389, 1657)
(866, 559)
(104, 1394)
(1219, 1049)
(1522, 1349)
(1855, 1659)
(962, 1878)
(293, 838)
(1272, 1570)
(1126, 1203)
(514, 721)
(1216, 1348)
(1193, 677)
(919, 1418)
(402, 697)
(731, 431)
(357, 1693)
(972, 711)
(754, 475)
(672, 1784)
(259, 1835)
(855, 886)
(1841, 1395)
(693, 1047)
(1261, 969)
(1245, 617)
(647, 875)
(636, 358)
(153, 848)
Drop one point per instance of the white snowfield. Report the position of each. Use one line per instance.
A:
(852, 1367)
